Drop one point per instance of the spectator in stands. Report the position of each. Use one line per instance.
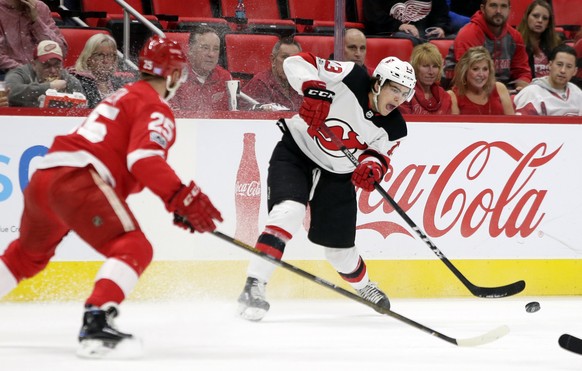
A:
(29, 82)
(205, 89)
(272, 86)
(96, 69)
(23, 24)
(429, 97)
(489, 28)
(408, 19)
(355, 48)
(553, 95)
(475, 91)
(537, 27)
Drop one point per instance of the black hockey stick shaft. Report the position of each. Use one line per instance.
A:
(571, 343)
(478, 340)
(483, 292)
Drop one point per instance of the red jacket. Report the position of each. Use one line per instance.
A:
(507, 50)
(208, 96)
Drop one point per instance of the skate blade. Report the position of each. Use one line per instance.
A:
(97, 349)
(251, 314)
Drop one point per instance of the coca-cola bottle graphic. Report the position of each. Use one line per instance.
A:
(248, 193)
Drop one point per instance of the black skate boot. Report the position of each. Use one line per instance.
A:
(252, 303)
(99, 338)
(372, 293)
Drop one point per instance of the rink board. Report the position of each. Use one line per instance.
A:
(502, 200)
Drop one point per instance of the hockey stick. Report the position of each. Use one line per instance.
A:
(468, 342)
(483, 292)
(571, 343)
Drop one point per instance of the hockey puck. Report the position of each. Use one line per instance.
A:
(532, 307)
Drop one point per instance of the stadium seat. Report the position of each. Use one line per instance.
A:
(112, 9)
(518, 8)
(76, 38)
(444, 45)
(319, 45)
(262, 16)
(567, 17)
(380, 48)
(186, 15)
(316, 16)
(248, 54)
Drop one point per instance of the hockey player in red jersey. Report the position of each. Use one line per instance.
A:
(82, 184)
(306, 167)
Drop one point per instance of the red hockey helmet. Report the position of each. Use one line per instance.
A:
(161, 57)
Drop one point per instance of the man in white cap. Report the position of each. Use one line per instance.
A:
(30, 81)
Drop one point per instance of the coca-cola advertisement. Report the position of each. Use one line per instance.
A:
(247, 193)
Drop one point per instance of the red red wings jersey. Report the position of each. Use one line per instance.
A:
(132, 124)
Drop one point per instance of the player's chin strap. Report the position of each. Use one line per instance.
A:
(171, 89)
(375, 98)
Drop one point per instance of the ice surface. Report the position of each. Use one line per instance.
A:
(301, 335)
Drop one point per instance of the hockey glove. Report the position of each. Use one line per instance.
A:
(194, 209)
(316, 102)
(366, 174)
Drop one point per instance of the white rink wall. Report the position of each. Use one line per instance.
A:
(491, 195)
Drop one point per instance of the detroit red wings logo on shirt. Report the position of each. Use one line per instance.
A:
(411, 10)
(344, 132)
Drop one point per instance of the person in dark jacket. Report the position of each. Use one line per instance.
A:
(418, 20)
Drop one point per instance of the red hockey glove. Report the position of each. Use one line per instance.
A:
(316, 102)
(194, 209)
(366, 174)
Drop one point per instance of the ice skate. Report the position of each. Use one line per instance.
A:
(252, 303)
(99, 338)
(372, 293)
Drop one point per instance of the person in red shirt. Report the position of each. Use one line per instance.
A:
(429, 96)
(83, 182)
(475, 91)
(205, 89)
(272, 86)
(489, 28)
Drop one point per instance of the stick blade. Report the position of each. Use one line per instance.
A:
(498, 292)
(489, 337)
(571, 343)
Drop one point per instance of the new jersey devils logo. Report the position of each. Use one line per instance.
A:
(344, 132)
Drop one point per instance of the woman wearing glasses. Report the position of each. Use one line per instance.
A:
(96, 69)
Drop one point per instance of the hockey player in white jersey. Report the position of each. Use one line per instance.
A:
(553, 95)
(306, 167)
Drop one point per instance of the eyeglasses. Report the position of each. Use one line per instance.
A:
(208, 48)
(103, 56)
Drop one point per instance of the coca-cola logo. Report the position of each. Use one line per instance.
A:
(249, 189)
(486, 185)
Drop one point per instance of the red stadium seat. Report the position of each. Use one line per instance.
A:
(518, 8)
(444, 45)
(76, 38)
(184, 15)
(380, 48)
(319, 45)
(262, 16)
(248, 54)
(567, 16)
(321, 12)
(113, 10)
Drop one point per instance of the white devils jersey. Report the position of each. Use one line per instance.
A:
(350, 117)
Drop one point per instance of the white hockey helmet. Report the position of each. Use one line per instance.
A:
(393, 69)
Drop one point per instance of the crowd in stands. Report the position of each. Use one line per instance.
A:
(486, 66)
